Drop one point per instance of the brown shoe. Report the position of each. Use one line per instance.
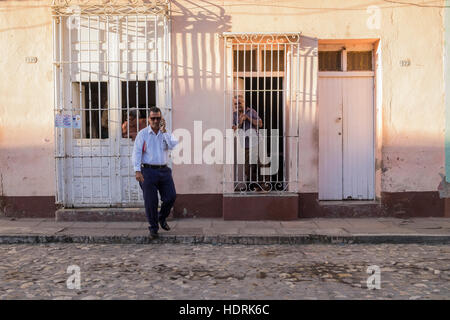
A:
(154, 235)
(164, 225)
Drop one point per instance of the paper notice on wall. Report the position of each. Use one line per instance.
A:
(67, 121)
(59, 120)
(76, 122)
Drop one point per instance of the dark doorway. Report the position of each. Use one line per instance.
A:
(95, 110)
(265, 95)
(137, 97)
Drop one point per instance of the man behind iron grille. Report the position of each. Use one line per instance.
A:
(150, 157)
(247, 119)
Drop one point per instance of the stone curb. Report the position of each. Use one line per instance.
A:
(231, 239)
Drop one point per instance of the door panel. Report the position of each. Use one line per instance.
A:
(358, 143)
(346, 138)
(99, 57)
(90, 169)
(330, 138)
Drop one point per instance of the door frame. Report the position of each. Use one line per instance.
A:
(353, 75)
(290, 43)
(376, 73)
(65, 76)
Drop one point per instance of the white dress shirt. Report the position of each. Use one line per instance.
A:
(152, 148)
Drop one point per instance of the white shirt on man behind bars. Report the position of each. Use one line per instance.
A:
(151, 148)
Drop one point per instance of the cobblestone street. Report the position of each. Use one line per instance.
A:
(167, 271)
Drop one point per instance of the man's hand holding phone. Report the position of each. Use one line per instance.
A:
(162, 125)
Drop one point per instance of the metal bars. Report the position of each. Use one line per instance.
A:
(105, 72)
(262, 106)
(61, 8)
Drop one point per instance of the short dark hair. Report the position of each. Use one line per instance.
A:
(154, 109)
(132, 114)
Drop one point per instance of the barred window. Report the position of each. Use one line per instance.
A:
(244, 60)
(273, 60)
(330, 60)
(359, 61)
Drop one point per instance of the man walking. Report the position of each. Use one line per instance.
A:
(150, 157)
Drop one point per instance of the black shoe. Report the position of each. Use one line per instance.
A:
(154, 235)
(164, 225)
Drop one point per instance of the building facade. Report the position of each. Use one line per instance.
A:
(351, 98)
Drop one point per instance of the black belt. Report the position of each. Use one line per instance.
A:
(154, 166)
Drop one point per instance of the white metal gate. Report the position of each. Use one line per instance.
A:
(111, 64)
(262, 72)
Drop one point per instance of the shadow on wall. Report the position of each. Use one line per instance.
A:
(197, 80)
(197, 64)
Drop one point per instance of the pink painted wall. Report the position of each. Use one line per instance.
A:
(27, 166)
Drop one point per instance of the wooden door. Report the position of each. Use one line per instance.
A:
(346, 137)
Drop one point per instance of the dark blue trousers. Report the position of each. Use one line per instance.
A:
(157, 180)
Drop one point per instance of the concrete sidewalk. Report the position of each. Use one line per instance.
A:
(218, 231)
